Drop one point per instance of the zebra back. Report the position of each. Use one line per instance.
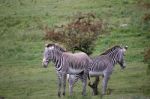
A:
(110, 50)
(115, 53)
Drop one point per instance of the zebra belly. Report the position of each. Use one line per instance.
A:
(74, 71)
(93, 73)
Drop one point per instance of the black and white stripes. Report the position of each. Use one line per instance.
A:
(79, 65)
(103, 65)
(67, 63)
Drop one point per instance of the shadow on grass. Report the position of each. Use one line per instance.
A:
(1, 97)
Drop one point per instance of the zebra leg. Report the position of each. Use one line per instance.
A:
(64, 83)
(70, 86)
(84, 83)
(59, 85)
(72, 80)
(94, 86)
(96, 82)
(104, 85)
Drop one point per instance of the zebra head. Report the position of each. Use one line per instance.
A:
(49, 52)
(121, 55)
(116, 54)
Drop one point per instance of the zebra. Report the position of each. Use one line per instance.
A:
(102, 65)
(67, 63)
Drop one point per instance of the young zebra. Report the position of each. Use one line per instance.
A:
(67, 63)
(102, 65)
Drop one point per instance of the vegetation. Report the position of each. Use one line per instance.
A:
(79, 34)
(22, 29)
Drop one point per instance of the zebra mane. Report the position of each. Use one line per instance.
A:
(111, 49)
(56, 47)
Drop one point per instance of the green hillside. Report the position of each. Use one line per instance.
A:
(22, 25)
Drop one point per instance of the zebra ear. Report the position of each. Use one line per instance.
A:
(126, 47)
(51, 47)
(46, 45)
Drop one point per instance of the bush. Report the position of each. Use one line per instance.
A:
(79, 34)
(141, 17)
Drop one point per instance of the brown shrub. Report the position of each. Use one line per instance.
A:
(146, 17)
(147, 56)
(144, 4)
(79, 34)
(147, 60)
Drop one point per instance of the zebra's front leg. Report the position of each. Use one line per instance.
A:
(64, 83)
(59, 84)
(94, 86)
(104, 85)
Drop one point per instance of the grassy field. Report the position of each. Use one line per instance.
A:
(22, 45)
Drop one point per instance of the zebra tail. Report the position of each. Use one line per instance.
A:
(89, 78)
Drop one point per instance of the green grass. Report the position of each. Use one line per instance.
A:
(22, 45)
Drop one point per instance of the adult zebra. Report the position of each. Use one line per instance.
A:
(67, 63)
(102, 65)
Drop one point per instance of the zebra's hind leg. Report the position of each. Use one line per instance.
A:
(94, 86)
(84, 83)
(72, 79)
(70, 87)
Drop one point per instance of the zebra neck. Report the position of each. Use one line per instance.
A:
(57, 59)
(57, 64)
(113, 58)
(114, 62)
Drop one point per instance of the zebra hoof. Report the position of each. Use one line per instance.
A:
(109, 91)
(64, 93)
(83, 94)
(95, 92)
(59, 94)
(89, 83)
(103, 94)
